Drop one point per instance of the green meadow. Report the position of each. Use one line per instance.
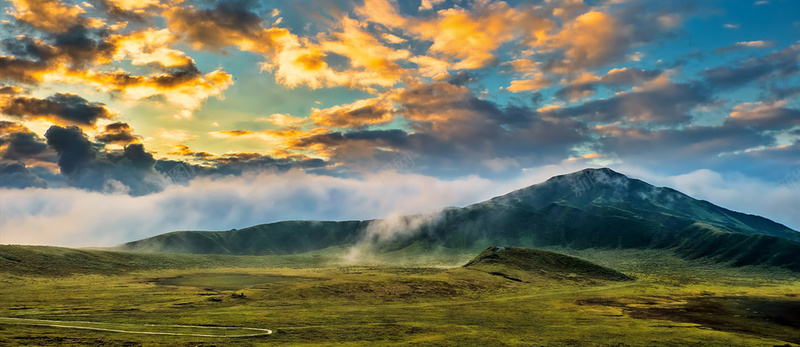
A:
(62, 297)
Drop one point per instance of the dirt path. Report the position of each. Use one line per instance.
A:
(87, 326)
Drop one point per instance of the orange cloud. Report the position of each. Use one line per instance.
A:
(356, 115)
(536, 82)
(759, 110)
(150, 46)
(535, 78)
(137, 6)
(591, 39)
(49, 15)
(183, 88)
(284, 120)
(184, 150)
(466, 38)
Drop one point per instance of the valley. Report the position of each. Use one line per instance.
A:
(317, 299)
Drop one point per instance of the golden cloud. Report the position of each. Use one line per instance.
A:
(150, 46)
(51, 16)
(284, 120)
(356, 115)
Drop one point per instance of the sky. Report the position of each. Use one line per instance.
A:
(123, 119)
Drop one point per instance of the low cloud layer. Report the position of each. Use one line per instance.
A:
(78, 218)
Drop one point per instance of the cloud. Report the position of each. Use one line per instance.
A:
(586, 84)
(18, 143)
(603, 36)
(117, 133)
(469, 38)
(61, 108)
(356, 115)
(744, 45)
(184, 150)
(535, 78)
(17, 175)
(284, 120)
(131, 171)
(48, 15)
(150, 46)
(764, 116)
(774, 66)
(669, 103)
(74, 149)
(228, 23)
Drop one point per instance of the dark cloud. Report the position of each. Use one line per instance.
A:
(22, 145)
(215, 28)
(767, 117)
(676, 150)
(575, 92)
(78, 46)
(17, 175)
(135, 156)
(461, 78)
(238, 163)
(178, 76)
(118, 133)
(614, 80)
(120, 14)
(21, 70)
(778, 65)
(61, 107)
(75, 151)
(11, 90)
(82, 46)
(666, 104)
(85, 166)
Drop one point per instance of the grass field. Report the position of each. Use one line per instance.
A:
(312, 300)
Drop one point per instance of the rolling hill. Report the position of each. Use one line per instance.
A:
(529, 265)
(592, 208)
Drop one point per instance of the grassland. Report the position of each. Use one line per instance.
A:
(314, 299)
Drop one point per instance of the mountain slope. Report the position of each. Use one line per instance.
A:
(593, 208)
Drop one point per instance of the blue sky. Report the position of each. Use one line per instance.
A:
(103, 98)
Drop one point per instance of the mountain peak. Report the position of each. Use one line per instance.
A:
(591, 208)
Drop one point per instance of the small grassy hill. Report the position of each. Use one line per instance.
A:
(530, 265)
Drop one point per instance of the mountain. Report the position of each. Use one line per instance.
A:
(530, 265)
(592, 208)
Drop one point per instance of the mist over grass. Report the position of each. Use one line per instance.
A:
(78, 218)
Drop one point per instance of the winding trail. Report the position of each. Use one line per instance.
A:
(86, 326)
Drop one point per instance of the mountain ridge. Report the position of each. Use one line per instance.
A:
(591, 208)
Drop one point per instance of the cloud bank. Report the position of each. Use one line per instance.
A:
(79, 218)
